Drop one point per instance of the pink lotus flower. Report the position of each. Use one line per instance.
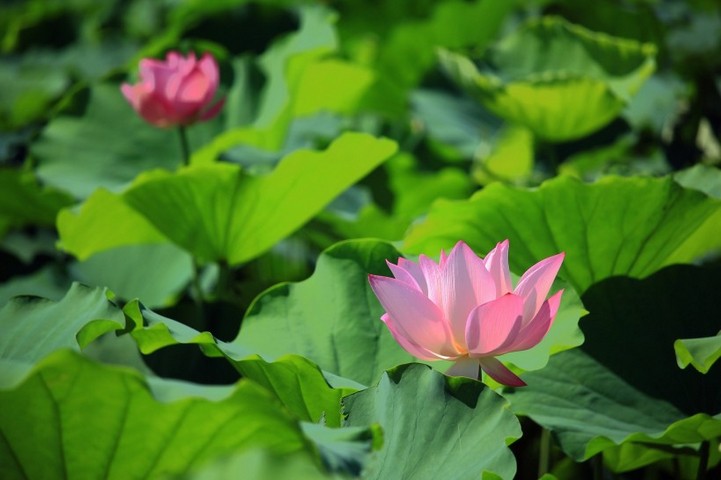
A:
(177, 91)
(466, 310)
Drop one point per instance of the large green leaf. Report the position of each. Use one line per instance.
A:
(623, 384)
(74, 418)
(557, 79)
(217, 212)
(616, 226)
(435, 426)
(297, 382)
(332, 318)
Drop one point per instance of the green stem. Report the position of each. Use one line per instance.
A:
(544, 452)
(184, 145)
(703, 460)
(198, 290)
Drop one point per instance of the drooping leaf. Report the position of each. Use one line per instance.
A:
(332, 318)
(99, 421)
(295, 381)
(702, 353)
(435, 426)
(557, 79)
(623, 385)
(616, 226)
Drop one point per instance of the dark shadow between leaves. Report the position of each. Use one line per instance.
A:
(633, 324)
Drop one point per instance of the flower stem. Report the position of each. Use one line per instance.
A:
(703, 460)
(184, 145)
(198, 289)
(544, 452)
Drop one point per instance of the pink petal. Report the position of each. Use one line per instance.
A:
(132, 93)
(465, 367)
(493, 326)
(209, 67)
(415, 316)
(534, 332)
(404, 275)
(150, 106)
(190, 96)
(496, 263)
(414, 269)
(464, 284)
(156, 73)
(407, 344)
(498, 372)
(535, 284)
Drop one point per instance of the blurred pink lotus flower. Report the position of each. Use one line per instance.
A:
(177, 91)
(466, 310)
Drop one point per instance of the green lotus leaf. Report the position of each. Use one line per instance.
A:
(216, 211)
(458, 420)
(332, 318)
(616, 226)
(98, 421)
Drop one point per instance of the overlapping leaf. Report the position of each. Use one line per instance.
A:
(616, 226)
(296, 381)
